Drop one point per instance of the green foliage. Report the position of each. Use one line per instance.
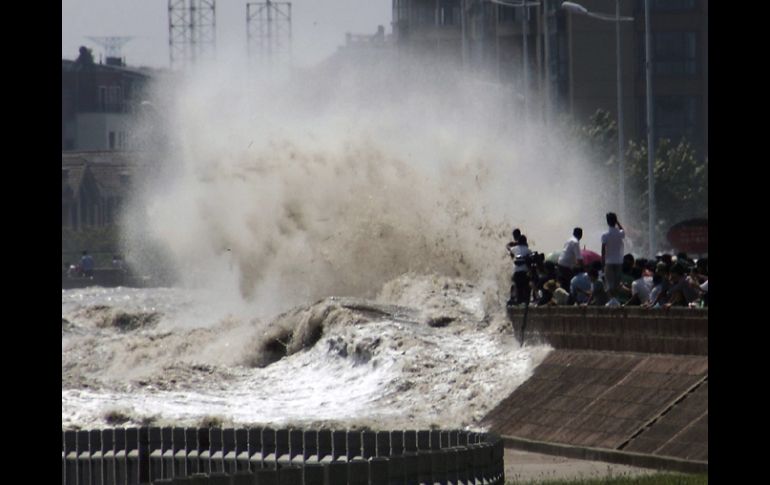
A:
(681, 179)
(600, 136)
(681, 183)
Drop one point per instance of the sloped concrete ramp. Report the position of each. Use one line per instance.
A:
(682, 432)
(651, 404)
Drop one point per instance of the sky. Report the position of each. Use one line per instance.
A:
(318, 26)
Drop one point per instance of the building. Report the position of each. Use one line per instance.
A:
(679, 39)
(559, 62)
(98, 101)
(94, 187)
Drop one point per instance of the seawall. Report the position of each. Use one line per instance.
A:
(679, 331)
(622, 385)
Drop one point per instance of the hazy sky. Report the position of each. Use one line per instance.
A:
(318, 26)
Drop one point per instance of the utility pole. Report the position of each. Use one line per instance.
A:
(621, 137)
(547, 62)
(268, 31)
(650, 129)
(191, 31)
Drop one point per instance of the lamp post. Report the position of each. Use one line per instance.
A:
(650, 126)
(580, 10)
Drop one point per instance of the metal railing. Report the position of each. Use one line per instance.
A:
(232, 456)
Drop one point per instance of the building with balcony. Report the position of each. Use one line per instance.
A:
(98, 101)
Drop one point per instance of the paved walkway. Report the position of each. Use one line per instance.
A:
(524, 467)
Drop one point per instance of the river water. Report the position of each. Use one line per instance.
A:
(425, 351)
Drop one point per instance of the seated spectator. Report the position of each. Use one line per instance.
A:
(704, 288)
(547, 274)
(703, 267)
(681, 258)
(599, 295)
(662, 295)
(640, 291)
(681, 292)
(559, 294)
(626, 278)
(657, 292)
(580, 286)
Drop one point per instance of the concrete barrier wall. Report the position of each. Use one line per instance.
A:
(682, 331)
(105, 277)
(138, 456)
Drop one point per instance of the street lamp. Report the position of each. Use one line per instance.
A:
(650, 126)
(580, 10)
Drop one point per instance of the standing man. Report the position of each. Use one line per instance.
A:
(612, 254)
(87, 264)
(520, 293)
(570, 258)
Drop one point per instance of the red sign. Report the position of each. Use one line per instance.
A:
(690, 236)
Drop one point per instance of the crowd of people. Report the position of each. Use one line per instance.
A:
(618, 279)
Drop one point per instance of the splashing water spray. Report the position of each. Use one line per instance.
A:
(337, 179)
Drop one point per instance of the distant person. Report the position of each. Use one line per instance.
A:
(703, 268)
(612, 254)
(598, 292)
(681, 292)
(508, 248)
(548, 274)
(681, 258)
(626, 279)
(118, 263)
(570, 257)
(520, 291)
(87, 264)
(516, 235)
(556, 294)
(640, 291)
(704, 291)
(656, 292)
(659, 294)
(580, 286)
(665, 258)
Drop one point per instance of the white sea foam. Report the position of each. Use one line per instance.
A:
(368, 367)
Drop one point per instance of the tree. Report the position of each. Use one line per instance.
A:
(681, 179)
(681, 183)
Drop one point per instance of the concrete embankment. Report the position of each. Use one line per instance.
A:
(622, 385)
(105, 277)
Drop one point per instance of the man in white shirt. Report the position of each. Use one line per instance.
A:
(570, 258)
(612, 253)
(640, 289)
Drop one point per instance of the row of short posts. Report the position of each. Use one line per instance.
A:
(267, 456)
